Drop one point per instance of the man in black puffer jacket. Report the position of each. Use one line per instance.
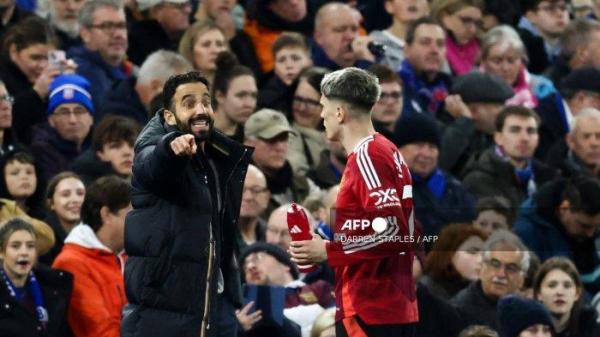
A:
(187, 186)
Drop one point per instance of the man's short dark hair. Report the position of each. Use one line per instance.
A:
(413, 26)
(384, 73)
(113, 128)
(110, 191)
(356, 87)
(583, 195)
(175, 81)
(520, 111)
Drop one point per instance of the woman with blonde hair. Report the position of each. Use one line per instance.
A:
(200, 45)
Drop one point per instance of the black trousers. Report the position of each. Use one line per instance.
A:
(355, 327)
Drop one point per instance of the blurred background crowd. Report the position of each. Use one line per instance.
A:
(494, 105)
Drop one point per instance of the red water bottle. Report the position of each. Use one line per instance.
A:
(299, 229)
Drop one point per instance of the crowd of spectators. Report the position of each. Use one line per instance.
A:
(494, 105)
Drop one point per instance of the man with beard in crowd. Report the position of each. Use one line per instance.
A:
(62, 16)
(186, 193)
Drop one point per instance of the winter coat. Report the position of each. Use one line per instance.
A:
(44, 234)
(29, 108)
(456, 205)
(179, 238)
(553, 124)
(461, 141)
(436, 316)
(264, 27)
(89, 167)
(491, 175)
(100, 74)
(540, 229)
(475, 307)
(54, 154)
(17, 321)
(123, 100)
(98, 291)
(305, 148)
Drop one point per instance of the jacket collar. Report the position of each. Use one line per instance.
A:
(83, 235)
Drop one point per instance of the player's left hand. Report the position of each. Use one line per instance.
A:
(308, 252)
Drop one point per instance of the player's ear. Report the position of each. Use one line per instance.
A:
(340, 113)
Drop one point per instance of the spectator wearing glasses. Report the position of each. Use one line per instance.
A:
(255, 198)
(268, 132)
(164, 21)
(66, 135)
(101, 59)
(540, 28)
(7, 137)
(461, 19)
(388, 108)
(306, 149)
(505, 262)
(234, 94)
(503, 54)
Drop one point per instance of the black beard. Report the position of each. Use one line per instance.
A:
(187, 127)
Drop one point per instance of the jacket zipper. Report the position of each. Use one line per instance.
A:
(211, 254)
(205, 319)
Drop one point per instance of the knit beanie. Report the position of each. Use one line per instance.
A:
(416, 128)
(275, 251)
(70, 88)
(517, 314)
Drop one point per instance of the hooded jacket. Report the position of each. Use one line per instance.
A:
(98, 292)
(179, 239)
(540, 229)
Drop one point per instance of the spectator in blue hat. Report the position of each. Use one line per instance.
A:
(66, 134)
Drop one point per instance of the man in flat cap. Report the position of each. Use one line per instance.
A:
(476, 101)
(268, 131)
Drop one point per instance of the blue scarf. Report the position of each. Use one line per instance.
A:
(34, 288)
(436, 183)
(429, 97)
(525, 176)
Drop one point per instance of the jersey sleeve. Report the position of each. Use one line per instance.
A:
(383, 188)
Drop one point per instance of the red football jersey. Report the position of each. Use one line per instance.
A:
(372, 260)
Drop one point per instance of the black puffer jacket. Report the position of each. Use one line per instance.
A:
(176, 239)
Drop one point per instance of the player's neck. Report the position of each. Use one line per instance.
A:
(355, 132)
